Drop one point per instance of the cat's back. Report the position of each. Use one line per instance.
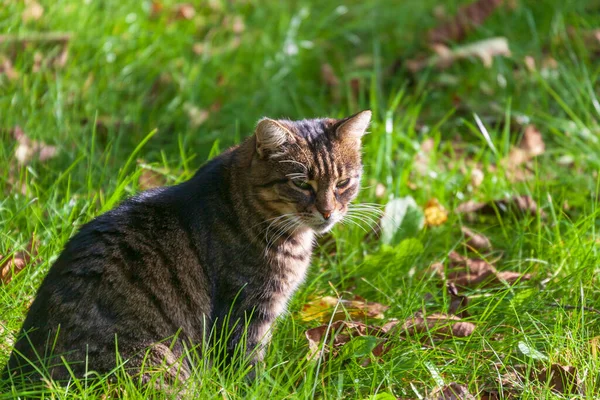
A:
(134, 271)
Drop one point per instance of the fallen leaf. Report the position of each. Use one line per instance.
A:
(523, 204)
(150, 179)
(475, 240)
(358, 309)
(197, 116)
(12, 265)
(561, 379)
(327, 339)
(467, 18)
(477, 177)
(33, 11)
(184, 11)
(435, 213)
(458, 302)
(331, 80)
(28, 149)
(402, 218)
(485, 50)
(6, 68)
(439, 325)
(532, 145)
(468, 272)
(452, 391)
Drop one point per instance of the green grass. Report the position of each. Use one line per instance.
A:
(128, 74)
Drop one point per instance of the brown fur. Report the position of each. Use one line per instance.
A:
(223, 251)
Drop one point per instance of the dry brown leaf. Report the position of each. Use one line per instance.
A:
(197, 116)
(532, 145)
(467, 18)
(476, 240)
(468, 272)
(150, 179)
(33, 11)
(28, 149)
(12, 265)
(523, 204)
(452, 391)
(184, 11)
(435, 213)
(458, 302)
(6, 68)
(331, 80)
(440, 325)
(358, 309)
(336, 335)
(561, 379)
(486, 50)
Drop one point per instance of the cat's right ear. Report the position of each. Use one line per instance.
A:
(271, 136)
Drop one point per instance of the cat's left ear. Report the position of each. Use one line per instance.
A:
(354, 127)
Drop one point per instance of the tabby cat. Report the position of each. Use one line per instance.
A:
(224, 250)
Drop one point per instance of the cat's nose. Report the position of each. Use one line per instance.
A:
(326, 214)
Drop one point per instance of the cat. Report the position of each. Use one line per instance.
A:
(224, 250)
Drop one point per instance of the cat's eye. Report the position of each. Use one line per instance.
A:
(343, 183)
(304, 185)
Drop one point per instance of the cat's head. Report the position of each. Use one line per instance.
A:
(308, 171)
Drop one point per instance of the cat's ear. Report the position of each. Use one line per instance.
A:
(271, 136)
(354, 127)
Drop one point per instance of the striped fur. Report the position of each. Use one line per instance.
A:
(171, 265)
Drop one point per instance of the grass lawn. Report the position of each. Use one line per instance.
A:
(137, 93)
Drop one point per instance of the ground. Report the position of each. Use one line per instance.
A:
(101, 99)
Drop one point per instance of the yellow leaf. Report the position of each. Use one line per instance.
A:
(435, 213)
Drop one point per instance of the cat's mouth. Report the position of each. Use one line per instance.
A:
(321, 226)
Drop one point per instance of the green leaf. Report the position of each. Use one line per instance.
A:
(359, 346)
(402, 218)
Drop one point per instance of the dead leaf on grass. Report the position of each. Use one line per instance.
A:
(150, 179)
(196, 116)
(523, 204)
(531, 146)
(452, 391)
(439, 325)
(485, 50)
(12, 265)
(330, 79)
(33, 11)
(470, 272)
(458, 302)
(435, 213)
(466, 19)
(357, 308)
(476, 241)
(6, 68)
(184, 11)
(28, 149)
(327, 339)
(561, 379)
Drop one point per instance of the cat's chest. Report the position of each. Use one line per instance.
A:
(288, 266)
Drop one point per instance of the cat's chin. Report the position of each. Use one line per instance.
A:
(323, 227)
